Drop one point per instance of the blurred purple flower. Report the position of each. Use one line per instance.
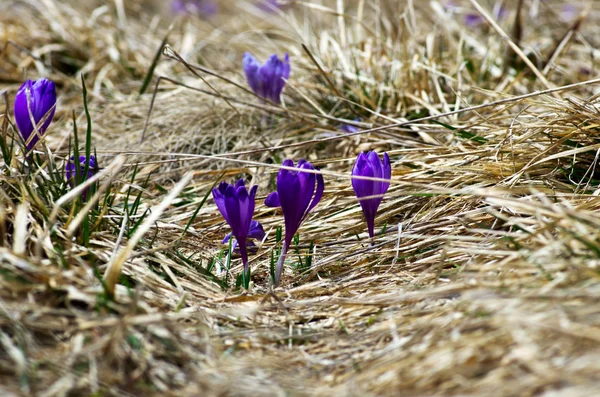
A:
(71, 171)
(297, 194)
(41, 96)
(450, 5)
(201, 8)
(269, 5)
(236, 205)
(569, 12)
(350, 128)
(256, 232)
(370, 193)
(267, 81)
(584, 70)
(473, 19)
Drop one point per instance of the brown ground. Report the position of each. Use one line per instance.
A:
(485, 282)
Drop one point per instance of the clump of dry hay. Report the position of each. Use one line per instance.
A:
(485, 281)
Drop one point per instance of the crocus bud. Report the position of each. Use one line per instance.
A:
(71, 171)
(370, 193)
(236, 205)
(41, 97)
(267, 81)
(297, 194)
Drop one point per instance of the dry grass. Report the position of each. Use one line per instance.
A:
(485, 281)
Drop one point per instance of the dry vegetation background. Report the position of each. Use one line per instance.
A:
(484, 282)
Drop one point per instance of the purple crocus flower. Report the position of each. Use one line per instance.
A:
(370, 193)
(297, 194)
(202, 8)
(71, 171)
(237, 207)
(256, 232)
(267, 81)
(41, 97)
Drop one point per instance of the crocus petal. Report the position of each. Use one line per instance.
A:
(250, 208)
(387, 173)
(280, 72)
(256, 230)
(288, 163)
(375, 164)
(288, 185)
(272, 200)
(318, 194)
(307, 186)
(234, 245)
(22, 112)
(376, 186)
(282, 79)
(226, 238)
(222, 187)
(251, 67)
(219, 197)
(268, 79)
(45, 102)
(362, 187)
(226, 241)
(290, 196)
(246, 208)
(252, 193)
(233, 210)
